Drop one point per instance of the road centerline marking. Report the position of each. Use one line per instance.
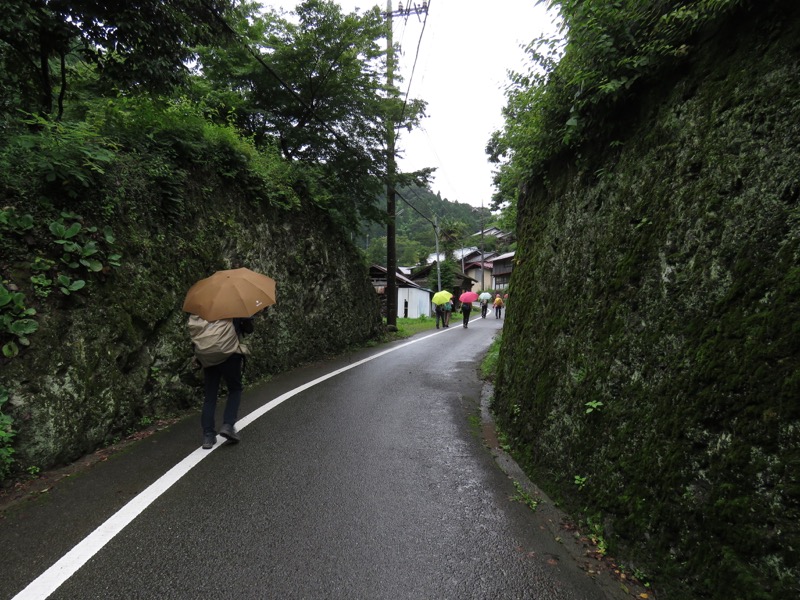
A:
(49, 581)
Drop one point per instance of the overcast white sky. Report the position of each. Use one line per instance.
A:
(466, 50)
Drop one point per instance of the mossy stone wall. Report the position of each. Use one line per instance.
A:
(658, 283)
(117, 352)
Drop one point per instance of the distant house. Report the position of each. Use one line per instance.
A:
(478, 267)
(503, 237)
(463, 282)
(413, 300)
(501, 270)
(458, 254)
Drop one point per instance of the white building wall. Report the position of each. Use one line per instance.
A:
(419, 302)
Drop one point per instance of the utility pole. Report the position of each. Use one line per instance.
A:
(438, 258)
(482, 255)
(391, 164)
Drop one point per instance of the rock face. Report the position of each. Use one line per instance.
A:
(650, 365)
(116, 353)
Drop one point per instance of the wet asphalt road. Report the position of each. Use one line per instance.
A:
(372, 484)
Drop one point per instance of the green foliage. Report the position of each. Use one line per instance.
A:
(135, 47)
(446, 270)
(15, 321)
(667, 260)
(67, 285)
(56, 160)
(489, 364)
(593, 405)
(575, 84)
(408, 327)
(42, 285)
(409, 252)
(13, 222)
(326, 111)
(6, 436)
(416, 224)
(81, 246)
(172, 136)
(524, 497)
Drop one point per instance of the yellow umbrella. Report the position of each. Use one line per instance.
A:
(230, 294)
(441, 297)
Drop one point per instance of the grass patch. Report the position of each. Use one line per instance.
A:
(408, 327)
(489, 364)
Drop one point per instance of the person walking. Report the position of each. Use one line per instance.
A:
(439, 315)
(231, 372)
(498, 307)
(484, 308)
(466, 308)
(448, 310)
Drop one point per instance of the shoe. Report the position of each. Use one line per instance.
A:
(229, 433)
(209, 439)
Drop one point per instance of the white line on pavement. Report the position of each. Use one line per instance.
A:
(49, 581)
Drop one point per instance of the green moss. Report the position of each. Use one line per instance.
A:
(671, 285)
(117, 351)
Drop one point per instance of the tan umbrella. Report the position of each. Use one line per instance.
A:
(230, 294)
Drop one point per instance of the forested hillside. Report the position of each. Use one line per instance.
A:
(143, 148)
(649, 374)
(419, 211)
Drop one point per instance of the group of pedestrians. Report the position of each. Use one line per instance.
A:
(444, 311)
(498, 304)
(218, 350)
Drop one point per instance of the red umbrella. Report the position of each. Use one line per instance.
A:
(468, 297)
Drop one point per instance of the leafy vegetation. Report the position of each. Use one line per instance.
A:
(48, 49)
(408, 327)
(6, 437)
(580, 81)
(125, 174)
(15, 321)
(457, 225)
(658, 241)
(524, 497)
(489, 365)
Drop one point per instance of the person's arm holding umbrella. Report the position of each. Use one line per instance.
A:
(244, 326)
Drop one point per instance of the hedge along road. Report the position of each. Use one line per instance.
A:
(356, 478)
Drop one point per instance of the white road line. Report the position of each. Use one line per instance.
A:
(49, 581)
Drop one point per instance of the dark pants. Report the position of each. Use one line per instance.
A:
(439, 316)
(466, 310)
(484, 309)
(231, 372)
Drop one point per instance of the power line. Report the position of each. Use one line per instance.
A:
(416, 57)
(347, 146)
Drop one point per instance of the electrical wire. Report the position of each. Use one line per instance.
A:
(414, 66)
(297, 97)
(344, 143)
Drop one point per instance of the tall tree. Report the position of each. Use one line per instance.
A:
(313, 85)
(132, 45)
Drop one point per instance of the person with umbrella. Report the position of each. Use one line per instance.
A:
(439, 300)
(467, 298)
(485, 297)
(222, 308)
